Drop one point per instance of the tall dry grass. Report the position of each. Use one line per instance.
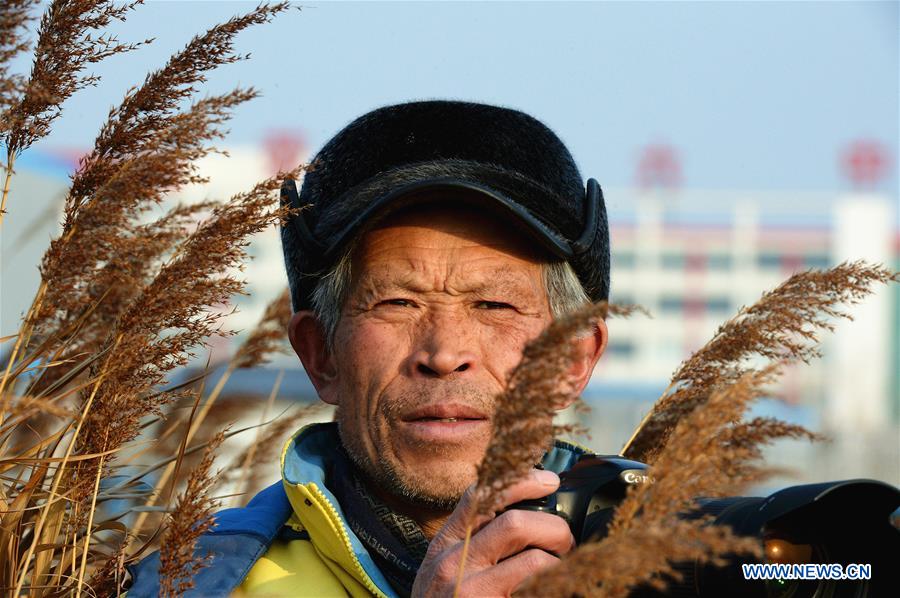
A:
(697, 440)
(126, 296)
(70, 37)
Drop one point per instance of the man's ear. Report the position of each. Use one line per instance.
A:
(308, 340)
(590, 348)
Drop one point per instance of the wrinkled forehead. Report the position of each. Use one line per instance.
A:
(455, 244)
(463, 215)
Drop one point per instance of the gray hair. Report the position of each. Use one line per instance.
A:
(565, 292)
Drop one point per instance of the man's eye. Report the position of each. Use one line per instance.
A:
(398, 302)
(494, 305)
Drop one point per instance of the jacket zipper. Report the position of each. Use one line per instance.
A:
(367, 581)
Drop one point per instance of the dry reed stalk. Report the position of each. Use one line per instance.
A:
(193, 515)
(115, 176)
(708, 453)
(522, 421)
(242, 463)
(265, 339)
(15, 18)
(268, 336)
(66, 44)
(25, 406)
(266, 445)
(164, 324)
(61, 473)
(107, 261)
(783, 325)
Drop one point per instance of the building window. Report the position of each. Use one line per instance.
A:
(622, 299)
(623, 259)
(671, 304)
(769, 260)
(696, 306)
(719, 305)
(672, 261)
(621, 348)
(718, 261)
(817, 260)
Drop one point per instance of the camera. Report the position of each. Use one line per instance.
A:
(843, 522)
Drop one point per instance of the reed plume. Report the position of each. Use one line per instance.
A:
(710, 452)
(134, 253)
(783, 325)
(99, 230)
(67, 42)
(146, 149)
(268, 336)
(123, 299)
(164, 324)
(15, 18)
(522, 422)
(193, 515)
(133, 127)
(698, 444)
(522, 427)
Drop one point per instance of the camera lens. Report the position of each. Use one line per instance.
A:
(779, 550)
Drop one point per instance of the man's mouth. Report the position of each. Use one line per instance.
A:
(452, 412)
(445, 423)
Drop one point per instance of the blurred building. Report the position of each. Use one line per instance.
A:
(693, 258)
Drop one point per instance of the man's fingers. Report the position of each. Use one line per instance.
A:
(509, 573)
(514, 531)
(503, 550)
(537, 484)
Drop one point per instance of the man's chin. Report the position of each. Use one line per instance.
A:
(434, 483)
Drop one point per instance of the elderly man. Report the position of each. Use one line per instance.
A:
(438, 238)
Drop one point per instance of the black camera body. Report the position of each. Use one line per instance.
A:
(843, 522)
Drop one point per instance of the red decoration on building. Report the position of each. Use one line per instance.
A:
(659, 166)
(285, 150)
(865, 162)
(791, 263)
(69, 157)
(696, 262)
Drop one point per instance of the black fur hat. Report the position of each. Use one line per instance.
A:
(372, 166)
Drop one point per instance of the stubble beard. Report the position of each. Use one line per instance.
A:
(421, 491)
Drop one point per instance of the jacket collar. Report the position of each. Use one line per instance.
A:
(304, 465)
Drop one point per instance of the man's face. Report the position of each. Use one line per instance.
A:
(441, 306)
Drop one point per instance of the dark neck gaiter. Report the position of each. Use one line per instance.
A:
(395, 542)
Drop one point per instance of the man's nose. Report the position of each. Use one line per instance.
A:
(443, 348)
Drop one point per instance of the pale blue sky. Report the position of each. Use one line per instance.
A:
(756, 95)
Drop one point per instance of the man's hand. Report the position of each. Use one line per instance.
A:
(503, 550)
